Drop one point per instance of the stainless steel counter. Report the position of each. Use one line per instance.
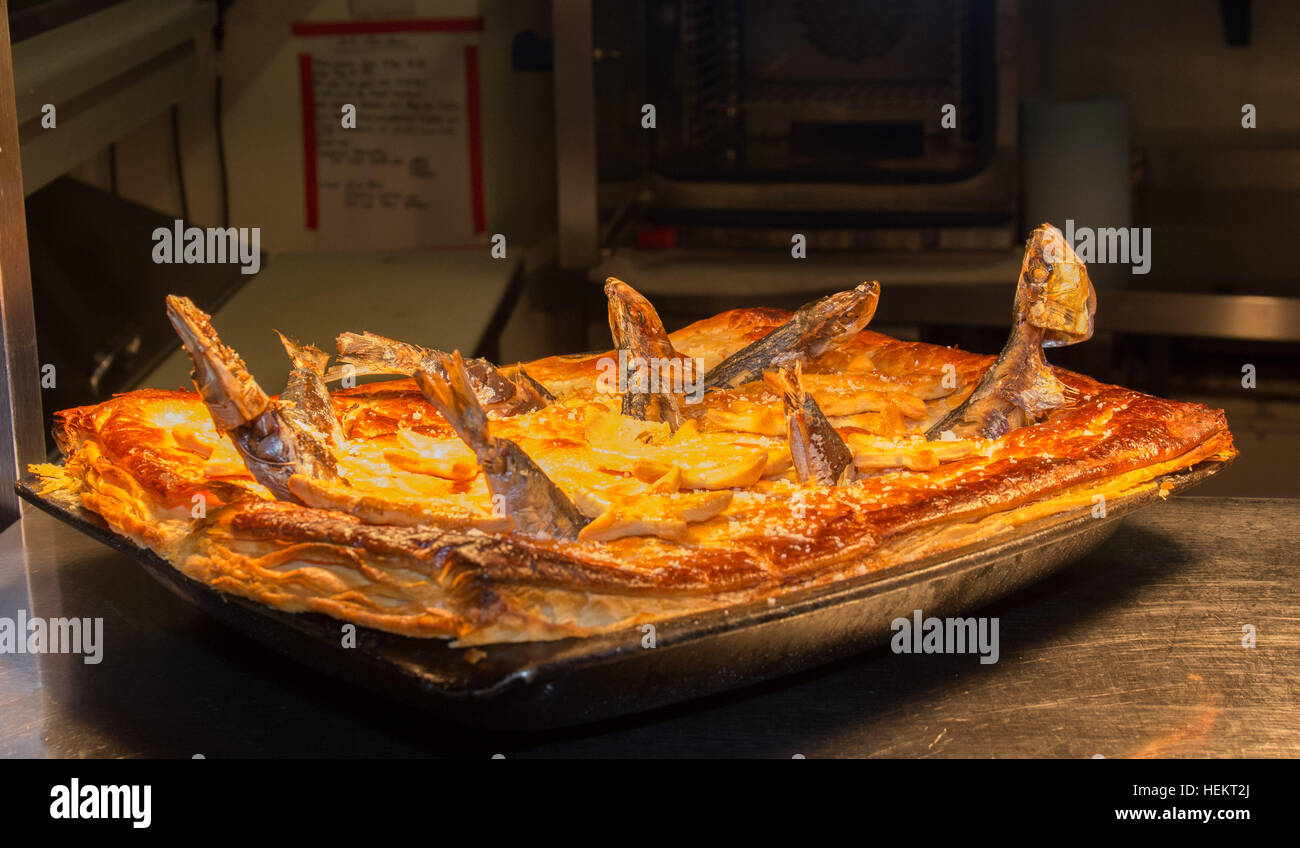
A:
(1135, 651)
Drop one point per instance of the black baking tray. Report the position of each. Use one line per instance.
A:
(573, 681)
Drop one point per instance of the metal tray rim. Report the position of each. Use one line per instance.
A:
(675, 631)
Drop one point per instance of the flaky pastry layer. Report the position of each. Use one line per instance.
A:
(413, 545)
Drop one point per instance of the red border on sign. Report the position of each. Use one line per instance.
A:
(308, 94)
(474, 118)
(381, 27)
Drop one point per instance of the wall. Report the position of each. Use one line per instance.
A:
(263, 137)
(1220, 198)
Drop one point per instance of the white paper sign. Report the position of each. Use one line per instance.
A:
(396, 138)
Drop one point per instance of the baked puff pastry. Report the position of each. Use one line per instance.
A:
(743, 457)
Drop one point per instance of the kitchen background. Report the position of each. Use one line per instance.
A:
(773, 117)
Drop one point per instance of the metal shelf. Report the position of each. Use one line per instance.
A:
(106, 74)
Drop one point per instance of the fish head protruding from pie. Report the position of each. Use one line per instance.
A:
(232, 395)
(845, 314)
(633, 321)
(1055, 294)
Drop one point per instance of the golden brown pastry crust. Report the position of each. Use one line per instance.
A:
(142, 459)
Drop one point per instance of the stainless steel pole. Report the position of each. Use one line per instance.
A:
(21, 437)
